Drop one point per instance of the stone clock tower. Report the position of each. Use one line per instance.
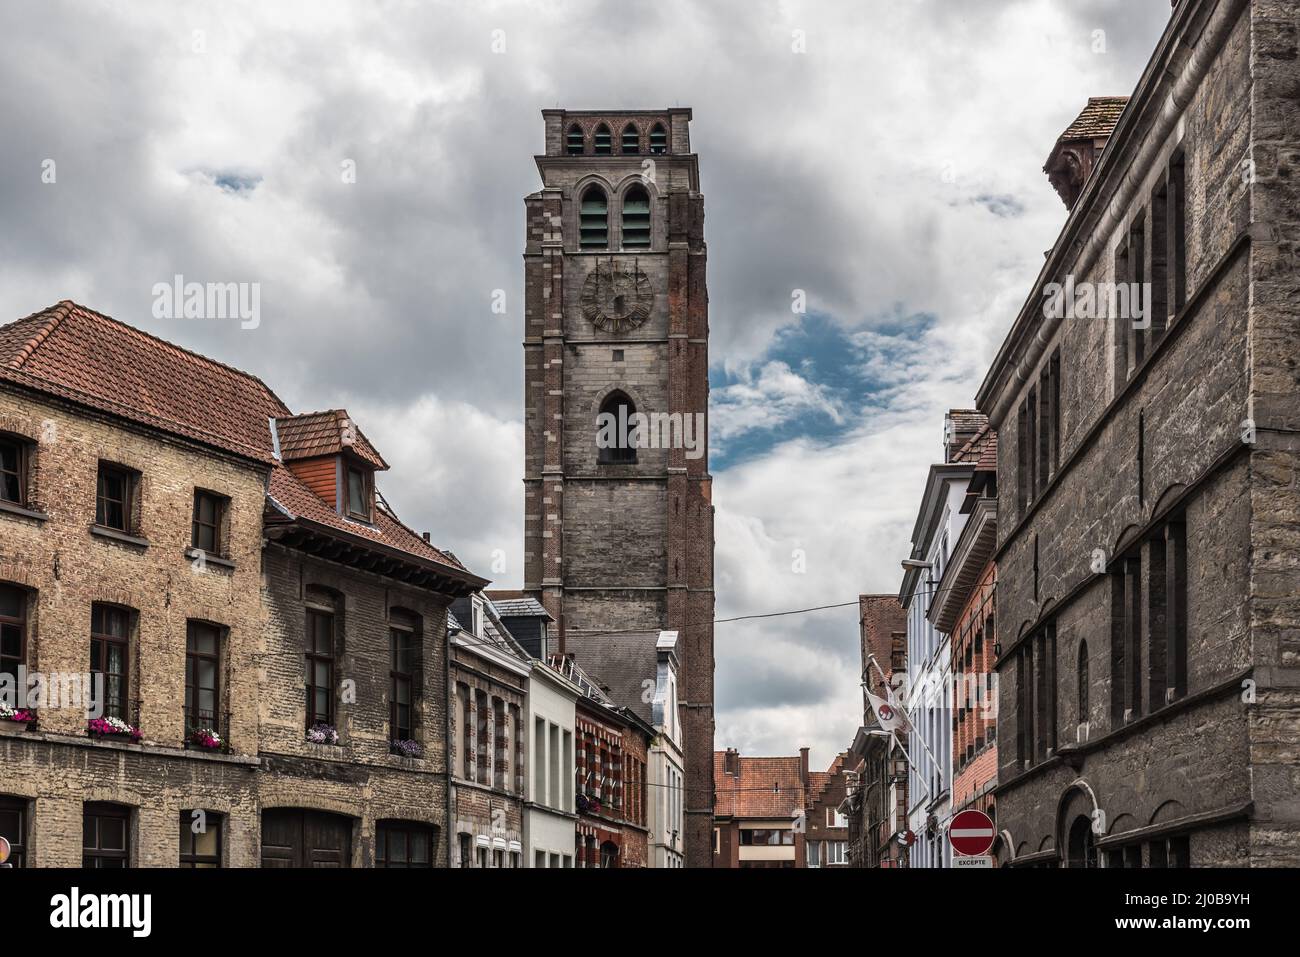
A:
(618, 542)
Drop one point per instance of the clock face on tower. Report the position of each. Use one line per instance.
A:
(616, 297)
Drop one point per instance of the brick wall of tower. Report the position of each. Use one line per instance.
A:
(623, 547)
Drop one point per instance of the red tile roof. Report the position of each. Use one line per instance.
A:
(85, 357)
(1098, 118)
(77, 354)
(765, 787)
(330, 432)
(291, 500)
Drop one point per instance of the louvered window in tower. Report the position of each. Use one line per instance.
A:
(573, 140)
(631, 139)
(658, 139)
(593, 219)
(604, 141)
(636, 218)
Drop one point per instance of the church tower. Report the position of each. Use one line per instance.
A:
(618, 541)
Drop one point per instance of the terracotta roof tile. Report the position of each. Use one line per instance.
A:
(82, 356)
(330, 432)
(1098, 118)
(765, 787)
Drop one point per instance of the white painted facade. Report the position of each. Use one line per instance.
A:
(549, 811)
(927, 697)
(666, 775)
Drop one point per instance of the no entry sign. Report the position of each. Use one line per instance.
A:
(971, 832)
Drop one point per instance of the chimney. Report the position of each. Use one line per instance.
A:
(959, 427)
(803, 769)
(425, 536)
(731, 762)
(1078, 149)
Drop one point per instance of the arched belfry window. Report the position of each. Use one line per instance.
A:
(636, 218)
(1084, 692)
(593, 219)
(616, 437)
(631, 139)
(658, 139)
(573, 141)
(604, 141)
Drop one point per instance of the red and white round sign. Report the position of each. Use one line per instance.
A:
(971, 833)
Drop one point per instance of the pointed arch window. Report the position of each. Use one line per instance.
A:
(593, 219)
(604, 141)
(631, 139)
(658, 139)
(573, 141)
(636, 218)
(615, 433)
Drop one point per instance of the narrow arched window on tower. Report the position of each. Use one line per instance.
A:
(1083, 682)
(658, 139)
(616, 437)
(604, 141)
(573, 141)
(593, 219)
(636, 218)
(631, 139)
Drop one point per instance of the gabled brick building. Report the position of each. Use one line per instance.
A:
(256, 690)
(826, 825)
(759, 806)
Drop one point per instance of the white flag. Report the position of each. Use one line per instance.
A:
(891, 717)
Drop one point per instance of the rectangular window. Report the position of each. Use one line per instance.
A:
(359, 493)
(114, 495)
(13, 470)
(1177, 233)
(109, 642)
(401, 675)
(1022, 459)
(209, 515)
(1138, 338)
(200, 839)
(202, 675)
(1126, 641)
(320, 667)
(13, 635)
(105, 836)
(463, 840)
(404, 845)
(539, 859)
(1158, 256)
(13, 828)
(1175, 551)
(484, 745)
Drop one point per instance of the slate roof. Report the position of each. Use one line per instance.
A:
(77, 354)
(622, 663)
(752, 793)
(314, 434)
(518, 607)
(1098, 118)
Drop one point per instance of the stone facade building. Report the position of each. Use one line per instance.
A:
(1149, 635)
(619, 535)
(132, 557)
(488, 689)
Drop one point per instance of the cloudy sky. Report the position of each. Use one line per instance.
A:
(883, 156)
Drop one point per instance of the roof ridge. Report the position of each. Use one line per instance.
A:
(190, 353)
(57, 313)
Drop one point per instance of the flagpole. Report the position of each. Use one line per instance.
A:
(921, 740)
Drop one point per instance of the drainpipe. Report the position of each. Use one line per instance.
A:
(446, 723)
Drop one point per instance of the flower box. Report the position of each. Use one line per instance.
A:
(112, 728)
(24, 716)
(323, 734)
(407, 748)
(205, 739)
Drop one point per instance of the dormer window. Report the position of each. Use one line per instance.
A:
(360, 492)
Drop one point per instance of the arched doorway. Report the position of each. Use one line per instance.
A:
(1081, 851)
